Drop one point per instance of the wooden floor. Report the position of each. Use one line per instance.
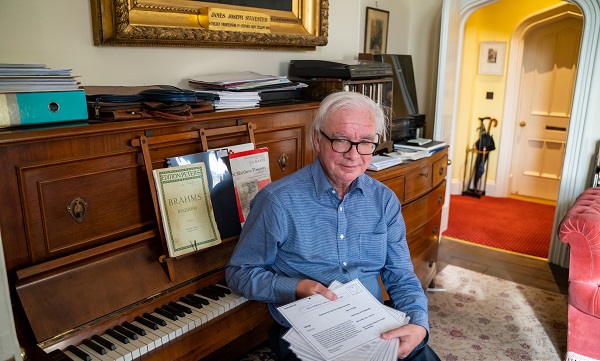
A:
(526, 270)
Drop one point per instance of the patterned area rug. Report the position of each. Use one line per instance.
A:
(480, 317)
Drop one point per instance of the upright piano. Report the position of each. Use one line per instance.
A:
(82, 246)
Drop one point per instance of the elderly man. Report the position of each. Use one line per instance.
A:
(329, 221)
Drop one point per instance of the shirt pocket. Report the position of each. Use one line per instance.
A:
(372, 250)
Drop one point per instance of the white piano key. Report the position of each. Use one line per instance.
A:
(72, 356)
(124, 349)
(200, 317)
(220, 309)
(158, 336)
(234, 299)
(170, 324)
(141, 347)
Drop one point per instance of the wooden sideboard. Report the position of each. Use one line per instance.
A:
(421, 187)
(100, 269)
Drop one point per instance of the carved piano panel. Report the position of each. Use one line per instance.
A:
(80, 236)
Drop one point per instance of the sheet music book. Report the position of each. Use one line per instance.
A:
(251, 172)
(220, 185)
(186, 208)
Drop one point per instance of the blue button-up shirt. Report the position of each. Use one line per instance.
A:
(298, 228)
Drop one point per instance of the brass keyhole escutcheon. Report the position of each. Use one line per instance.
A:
(283, 159)
(77, 209)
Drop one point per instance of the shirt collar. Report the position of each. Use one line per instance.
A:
(322, 183)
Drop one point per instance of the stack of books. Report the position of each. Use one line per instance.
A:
(33, 94)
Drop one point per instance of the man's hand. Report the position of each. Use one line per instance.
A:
(410, 337)
(307, 288)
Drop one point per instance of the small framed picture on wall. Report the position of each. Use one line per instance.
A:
(491, 58)
(376, 31)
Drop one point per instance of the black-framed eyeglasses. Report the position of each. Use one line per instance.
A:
(344, 145)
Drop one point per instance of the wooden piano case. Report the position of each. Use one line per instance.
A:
(80, 235)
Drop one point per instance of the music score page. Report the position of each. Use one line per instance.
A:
(334, 328)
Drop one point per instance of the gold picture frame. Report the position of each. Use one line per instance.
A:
(376, 31)
(176, 23)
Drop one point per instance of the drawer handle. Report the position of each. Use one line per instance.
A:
(440, 199)
(283, 159)
(434, 230)
(424, 175)
(441, 170)
(77, 209)
(430, 263)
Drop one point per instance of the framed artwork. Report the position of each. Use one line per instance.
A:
(376, 31)
(289, 24)
(491, 58)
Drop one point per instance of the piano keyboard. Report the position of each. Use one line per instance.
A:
(149, 331)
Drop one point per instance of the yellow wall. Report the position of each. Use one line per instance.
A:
(493, 23)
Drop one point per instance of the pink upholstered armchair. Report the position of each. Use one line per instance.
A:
(580, 228)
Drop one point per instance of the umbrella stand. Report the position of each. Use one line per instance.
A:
(476, 160)
(472, 185)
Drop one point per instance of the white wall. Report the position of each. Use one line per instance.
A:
(59, 34)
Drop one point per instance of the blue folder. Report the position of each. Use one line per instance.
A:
(29, 108)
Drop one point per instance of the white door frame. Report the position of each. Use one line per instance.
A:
(583, 128)
(513, 86)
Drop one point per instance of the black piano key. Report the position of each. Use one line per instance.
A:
(208, 294)
(173, 310)
(118, 336)
(167, 314)
(125, 332)
(181, 307)
(134, 328)
(189, 301)
(94, 346)
(104, 342)
(79, 353)
(155, 319)
(226, 290)
(218, 290)
(198, 299)
(147, 322)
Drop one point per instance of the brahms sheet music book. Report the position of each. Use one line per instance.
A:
(186, 208)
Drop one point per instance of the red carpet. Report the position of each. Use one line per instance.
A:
(504, 223)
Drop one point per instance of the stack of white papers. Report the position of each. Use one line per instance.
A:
(346, 329)
(240, 81)
(35, 77)
(379, 162)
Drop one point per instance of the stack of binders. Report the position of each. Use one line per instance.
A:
(33, 94)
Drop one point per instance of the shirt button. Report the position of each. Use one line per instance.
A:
(341, 209)
(341, 236)
(345, 264)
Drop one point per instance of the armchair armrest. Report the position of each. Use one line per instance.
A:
(580, 228)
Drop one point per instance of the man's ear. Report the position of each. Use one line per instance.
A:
(316, 143)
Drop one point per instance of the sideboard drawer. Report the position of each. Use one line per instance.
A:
(417, 183)
(423, 245)
(423, 209)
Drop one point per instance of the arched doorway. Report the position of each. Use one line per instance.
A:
(580, 144)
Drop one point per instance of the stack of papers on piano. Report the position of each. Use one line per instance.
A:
(379, 162)
(34, 78)
(326, 330)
